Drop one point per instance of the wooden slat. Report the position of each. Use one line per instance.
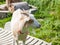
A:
(29, 41)
(4, 11)
(34, 42)
(37, 41)
(6, 37)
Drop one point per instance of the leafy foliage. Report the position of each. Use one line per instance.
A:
(3, 21)
(49, 17)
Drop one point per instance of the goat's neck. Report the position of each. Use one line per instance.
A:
(21, 24)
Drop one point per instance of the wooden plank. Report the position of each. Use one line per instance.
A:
(6, 37)
(29, 41)
(34, 42)
(2, 6)
(45, 43)
(4, 11)
(1, 31)
(38, 43)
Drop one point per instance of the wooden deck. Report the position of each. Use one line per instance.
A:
(6, 38)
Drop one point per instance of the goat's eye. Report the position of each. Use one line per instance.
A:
(31, 21)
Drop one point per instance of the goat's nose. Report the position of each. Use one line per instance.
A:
(39, 26)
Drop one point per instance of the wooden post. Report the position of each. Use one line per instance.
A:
(12, 1)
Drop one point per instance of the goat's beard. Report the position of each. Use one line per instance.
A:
(28, 23)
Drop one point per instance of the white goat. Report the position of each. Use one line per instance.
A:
(22, 19)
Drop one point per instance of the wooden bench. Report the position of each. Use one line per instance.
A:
(21, 5)
(6, 38)
(3, 14)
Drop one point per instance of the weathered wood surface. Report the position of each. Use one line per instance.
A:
(21, 5)
(7, 36)
(4, 11)
(3, 14)
(2, 6)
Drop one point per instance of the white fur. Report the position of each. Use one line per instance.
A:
(18, 24)
(16, 20)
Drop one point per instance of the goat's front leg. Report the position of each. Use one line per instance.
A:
(17, 42)
(24, 43)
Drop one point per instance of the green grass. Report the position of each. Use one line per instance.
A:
(48, 15)
(49, 18)
(3, 21)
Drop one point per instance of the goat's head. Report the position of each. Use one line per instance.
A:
(22, 18)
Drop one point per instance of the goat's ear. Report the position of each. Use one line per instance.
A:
(26, 11)
(32, 11)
